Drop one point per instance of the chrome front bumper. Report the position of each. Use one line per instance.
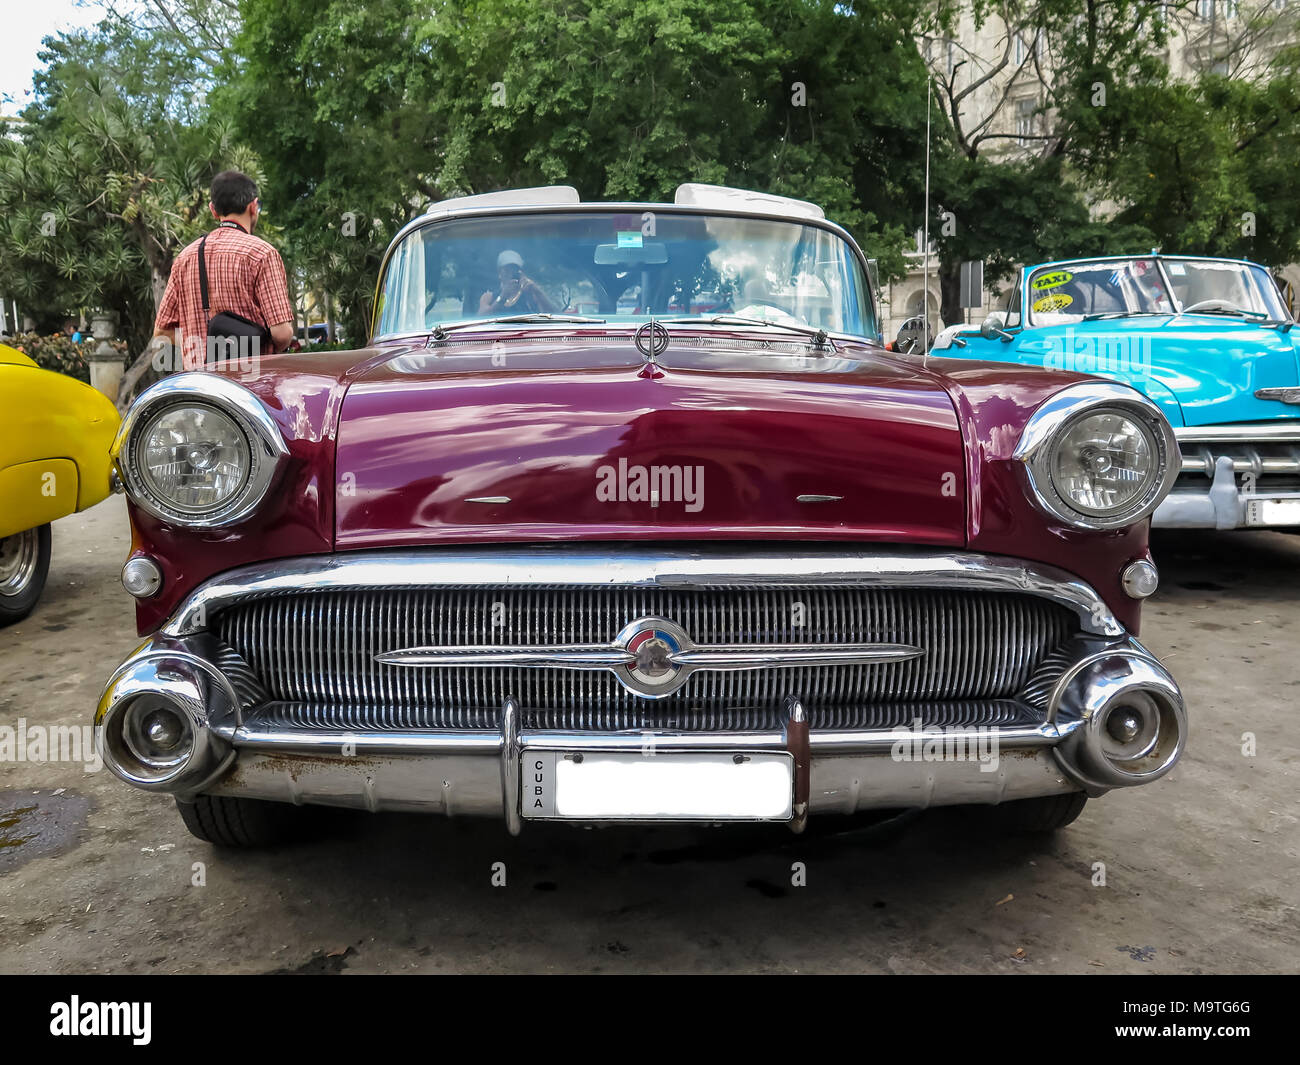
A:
(1227, 472)
(235, 749)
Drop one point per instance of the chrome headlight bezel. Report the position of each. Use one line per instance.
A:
(266, 447)
(1045, 430)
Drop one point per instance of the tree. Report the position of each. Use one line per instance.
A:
(1023, 113)
(1213, 171)
(362, 116)
(107, 177)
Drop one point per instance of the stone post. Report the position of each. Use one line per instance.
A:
(106, 364)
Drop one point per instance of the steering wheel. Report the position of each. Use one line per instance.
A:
(1214, 305)
(769, 312)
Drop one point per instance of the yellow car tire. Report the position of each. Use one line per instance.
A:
(24, 566)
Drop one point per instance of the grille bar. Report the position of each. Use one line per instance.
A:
(998, 712)
(1262, 458)
(317, 649)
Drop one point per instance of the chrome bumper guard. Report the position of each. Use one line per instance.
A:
(1209, 497)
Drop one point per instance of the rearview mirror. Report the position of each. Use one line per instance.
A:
(629, 255)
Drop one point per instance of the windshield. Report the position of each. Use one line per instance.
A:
(623, 267)
(1064, 293)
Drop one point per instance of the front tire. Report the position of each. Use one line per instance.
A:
(1047, 814)
(231, 821)
(24, 567)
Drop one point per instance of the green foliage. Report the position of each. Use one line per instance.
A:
(371, 113)
(107, 178)
(355, 116)
(59, 353)
(1216, 174)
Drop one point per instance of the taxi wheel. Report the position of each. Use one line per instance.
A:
(24, 565)
(232, 821)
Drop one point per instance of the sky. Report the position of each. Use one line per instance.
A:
(25, 23)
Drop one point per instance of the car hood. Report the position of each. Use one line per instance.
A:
(1209, 365)
(580, 438)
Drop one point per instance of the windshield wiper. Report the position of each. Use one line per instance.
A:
(1119, 314)
(820, 337)
(1234, 312)
(440, 331)
(1256, 317)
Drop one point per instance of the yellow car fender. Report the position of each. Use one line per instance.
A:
(55, 434)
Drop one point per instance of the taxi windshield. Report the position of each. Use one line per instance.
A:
(620, 267)
(1065, 293)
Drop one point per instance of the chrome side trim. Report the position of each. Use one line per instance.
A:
(603, 565)
(1285, 394)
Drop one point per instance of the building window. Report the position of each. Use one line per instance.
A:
(1025, 121)
(947, 49)
(1205, 9)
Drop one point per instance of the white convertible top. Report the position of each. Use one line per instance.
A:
(688, 195)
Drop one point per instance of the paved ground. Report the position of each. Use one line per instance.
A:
(1200, 868)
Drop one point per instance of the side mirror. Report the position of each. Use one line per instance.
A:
(991, 329)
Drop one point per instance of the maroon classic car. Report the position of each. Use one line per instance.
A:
(627, 515)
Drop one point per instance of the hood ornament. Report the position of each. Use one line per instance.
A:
(1287, 394)
(653, 657)
(651, 340)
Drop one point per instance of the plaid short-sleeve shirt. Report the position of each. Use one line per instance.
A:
(245, 277)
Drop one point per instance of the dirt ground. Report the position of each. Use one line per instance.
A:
(1199, 868)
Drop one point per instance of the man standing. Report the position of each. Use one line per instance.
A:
(245, 276)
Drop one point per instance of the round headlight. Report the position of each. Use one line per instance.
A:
(198, 450)
(1103, 463)
(1099, 455)
(193, 458)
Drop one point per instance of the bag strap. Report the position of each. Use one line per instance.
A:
(203, 276)
(203, 264)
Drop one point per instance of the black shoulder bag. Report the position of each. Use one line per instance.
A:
(233, 332)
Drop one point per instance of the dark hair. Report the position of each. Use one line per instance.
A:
(232, 192)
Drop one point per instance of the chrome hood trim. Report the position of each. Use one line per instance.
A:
(618, 565)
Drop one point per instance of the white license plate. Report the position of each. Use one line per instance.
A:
(1273, 512)
(632, 786)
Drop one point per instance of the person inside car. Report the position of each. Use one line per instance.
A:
(517, 293)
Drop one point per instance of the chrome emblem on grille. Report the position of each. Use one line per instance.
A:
(653, 657)
(654, 644)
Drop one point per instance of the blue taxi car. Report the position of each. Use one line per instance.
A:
(1209, 340)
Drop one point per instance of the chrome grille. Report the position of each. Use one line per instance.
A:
(1272, 462)
(316, 651)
